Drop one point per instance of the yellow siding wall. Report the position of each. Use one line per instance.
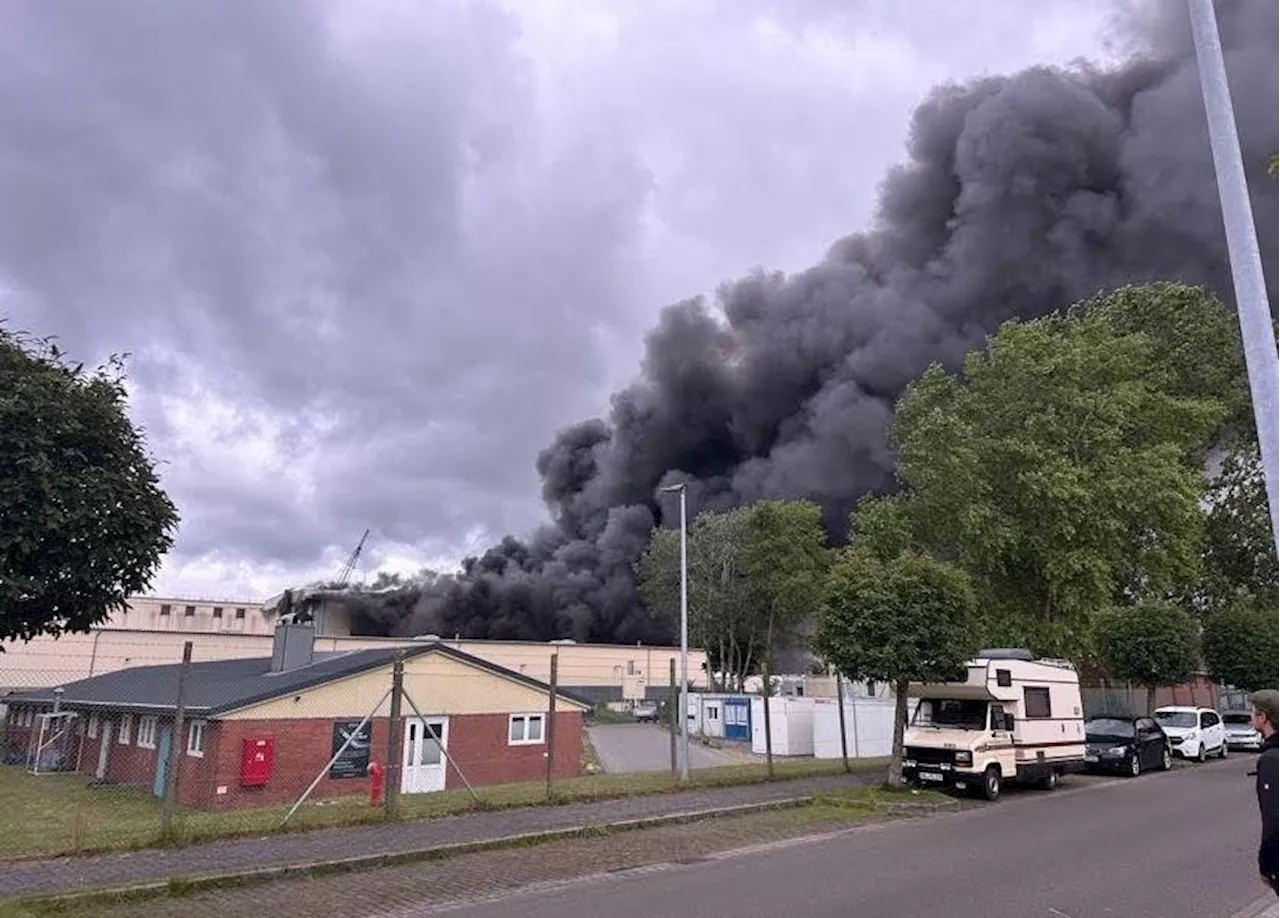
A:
(437, 685)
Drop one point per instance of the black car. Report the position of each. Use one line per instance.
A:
(1130, 745)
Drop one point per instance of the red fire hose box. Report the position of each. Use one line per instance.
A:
(257, 759)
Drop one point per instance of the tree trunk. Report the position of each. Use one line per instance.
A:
(1151, 698)
(899, 724)
(768, 693)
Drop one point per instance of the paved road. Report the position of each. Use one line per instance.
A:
(645, 747)
(1178, 845)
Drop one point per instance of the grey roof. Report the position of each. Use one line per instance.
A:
(217, 686)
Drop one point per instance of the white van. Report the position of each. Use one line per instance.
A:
(1014, 718)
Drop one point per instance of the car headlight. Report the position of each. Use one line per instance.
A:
(964, 758)
(1117, 750)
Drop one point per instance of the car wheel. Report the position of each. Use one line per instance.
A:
(1166, 760)
(1135, 765)
(1049, 781)
(1201, 755)
(991, 783)
(1222, 753)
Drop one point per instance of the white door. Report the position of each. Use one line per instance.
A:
(1212, 731)
(424, 761)
(104, 750)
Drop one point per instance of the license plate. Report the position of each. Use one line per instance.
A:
(1091, 758)
(930, 776)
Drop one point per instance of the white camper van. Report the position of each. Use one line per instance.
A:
(1014, 718)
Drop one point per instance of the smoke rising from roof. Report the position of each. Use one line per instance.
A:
(1019, 195)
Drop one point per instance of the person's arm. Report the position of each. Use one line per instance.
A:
(1268, 766)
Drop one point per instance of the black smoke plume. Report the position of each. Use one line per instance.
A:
(1019, 195)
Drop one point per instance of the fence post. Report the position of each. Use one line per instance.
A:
(844, 739)
(672, 705)
(395, 733)
(551, 722)
(175, 744)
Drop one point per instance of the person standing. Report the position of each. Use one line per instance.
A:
(1266, 711)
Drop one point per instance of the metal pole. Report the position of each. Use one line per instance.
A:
(1252, 308)
(551, 722)
(672, 700)
(684, 641)
(175, 744)
(844, 737)
(395, 731)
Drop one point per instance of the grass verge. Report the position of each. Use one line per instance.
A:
(48, 815)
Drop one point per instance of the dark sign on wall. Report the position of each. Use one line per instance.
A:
(354, 761)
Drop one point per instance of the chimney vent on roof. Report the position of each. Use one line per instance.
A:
(293, 647)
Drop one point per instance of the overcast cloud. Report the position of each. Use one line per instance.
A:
(370, 256)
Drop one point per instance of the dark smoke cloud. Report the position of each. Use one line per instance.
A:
(1019, 195)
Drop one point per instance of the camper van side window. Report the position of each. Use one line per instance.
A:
(1036, 703)
(1004, 677)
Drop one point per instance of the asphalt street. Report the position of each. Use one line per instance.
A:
(645, 747)
(1179, 845)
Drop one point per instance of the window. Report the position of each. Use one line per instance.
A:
(1036, 702)
(240, 613)
(713, 713)
(195, 738)
(165, 609)
(147, 732)
(525, 728)
(1208, 719)
(217, 611)
(871, 690)
(126, 729)
(93, 726)
(189, 612)
(1004, 678)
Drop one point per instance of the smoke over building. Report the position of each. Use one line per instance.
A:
(1018, 196)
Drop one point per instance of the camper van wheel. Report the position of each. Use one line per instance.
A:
(1049, 781)
(991, 783)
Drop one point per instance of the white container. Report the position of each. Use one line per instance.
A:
(792, 722)
(868, 727)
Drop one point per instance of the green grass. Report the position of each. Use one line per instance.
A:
(57, 814)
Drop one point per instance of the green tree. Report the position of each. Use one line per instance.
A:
(1155, 644)
(1063, 467)
(1239, 552)
(786, 563)
(909, 619)
(723, 618)
(83, 520)
(1240, 646)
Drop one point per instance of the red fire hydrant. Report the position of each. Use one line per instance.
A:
(376, 777)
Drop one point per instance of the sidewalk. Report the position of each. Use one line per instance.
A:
(74, 874)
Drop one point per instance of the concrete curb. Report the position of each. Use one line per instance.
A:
(1266, 906)
(183, 885)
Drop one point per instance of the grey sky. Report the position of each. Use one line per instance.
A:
(368, 259)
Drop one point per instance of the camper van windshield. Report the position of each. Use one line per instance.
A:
(952, 712)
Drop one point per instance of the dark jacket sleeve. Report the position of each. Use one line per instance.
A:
(1268, 764)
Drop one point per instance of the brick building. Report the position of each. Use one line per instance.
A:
(258, 731)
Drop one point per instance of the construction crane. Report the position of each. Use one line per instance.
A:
(350, 566)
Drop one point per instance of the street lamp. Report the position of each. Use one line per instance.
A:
(1247, 277)
(684, 636)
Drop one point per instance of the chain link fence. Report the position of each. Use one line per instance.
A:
(174, 751)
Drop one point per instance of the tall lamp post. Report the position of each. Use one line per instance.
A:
(684, 636)
(1242, 246)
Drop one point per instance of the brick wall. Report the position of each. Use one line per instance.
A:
(478, 744)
